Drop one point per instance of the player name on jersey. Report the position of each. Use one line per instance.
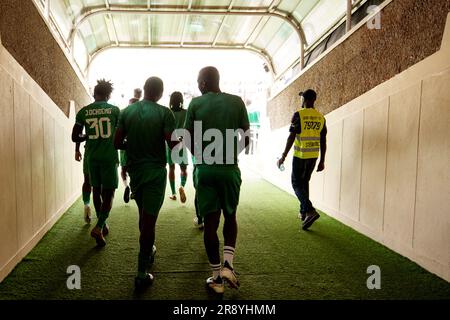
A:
(98, 112)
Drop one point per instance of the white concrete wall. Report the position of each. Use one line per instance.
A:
(39, 178)
(388, 163)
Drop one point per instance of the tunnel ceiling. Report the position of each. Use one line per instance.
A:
(278, 30)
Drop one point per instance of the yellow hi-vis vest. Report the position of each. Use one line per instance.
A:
(307, 143)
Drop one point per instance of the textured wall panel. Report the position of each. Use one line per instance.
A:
(433, 176)
(332, 175)
(373, 175)
(59, 165)
(34, 133)
(8, 221)
(351, 165)
(37, 167)
(402, 164)
(50, 174)
(22, 136)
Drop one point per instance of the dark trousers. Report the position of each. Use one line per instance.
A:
(302, 170)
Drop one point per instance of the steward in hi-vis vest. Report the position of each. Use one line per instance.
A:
(308, 133)
(307, 143)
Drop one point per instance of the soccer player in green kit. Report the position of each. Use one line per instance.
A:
(146, 127)
(100, 120)
(123, 155)
(176, 105)
(218, 182)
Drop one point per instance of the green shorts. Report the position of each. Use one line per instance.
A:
(218, 188)
(103, 174)
(85, 167)
(183, 157)
(149, 188)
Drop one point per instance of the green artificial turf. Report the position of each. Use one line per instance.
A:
(275, 259)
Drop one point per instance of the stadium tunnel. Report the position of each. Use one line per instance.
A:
(381, 69)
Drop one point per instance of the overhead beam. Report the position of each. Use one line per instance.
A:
(219, 31)
(222, 24)
(348, 23)
(47, 9)
(149, 30)
(252, 37)
(186, 22)
(149, 24)
(116, 37)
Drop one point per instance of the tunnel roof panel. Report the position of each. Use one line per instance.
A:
(280, 31)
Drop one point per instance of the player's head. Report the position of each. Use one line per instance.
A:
(103, 90)
(309, 98)
(176, 101)
(208, 80)
(153, 89)
(137, 93)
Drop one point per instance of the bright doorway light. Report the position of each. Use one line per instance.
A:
(242, 73)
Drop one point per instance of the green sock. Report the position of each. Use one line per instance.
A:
(86, 198)
(143, 260)
(172, 186)
(102, 216)
(183, 181)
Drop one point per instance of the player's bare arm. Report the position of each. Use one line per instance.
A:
(78, 156)
(77, 134)
(290, 141)
(119, 139)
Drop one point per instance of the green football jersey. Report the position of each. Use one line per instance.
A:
(100, 121)
(220, 111)
(180, 118)
(145, 124)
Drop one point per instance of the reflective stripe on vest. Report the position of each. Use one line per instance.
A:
(307, 143)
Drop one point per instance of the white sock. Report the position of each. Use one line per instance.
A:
(125, 183)
(228, 255)
(216, 270)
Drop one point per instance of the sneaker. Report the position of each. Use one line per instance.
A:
(142, 284)
(310, 218)
(105, 230)
(302, 216)
(96, 233)
(182, 195)
(229, 275)
(216, 284)
(173, 197)
(87, 214)
(200, 226)
(152, 257)
(126, 195)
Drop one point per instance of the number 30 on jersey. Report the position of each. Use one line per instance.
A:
(101, 126)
